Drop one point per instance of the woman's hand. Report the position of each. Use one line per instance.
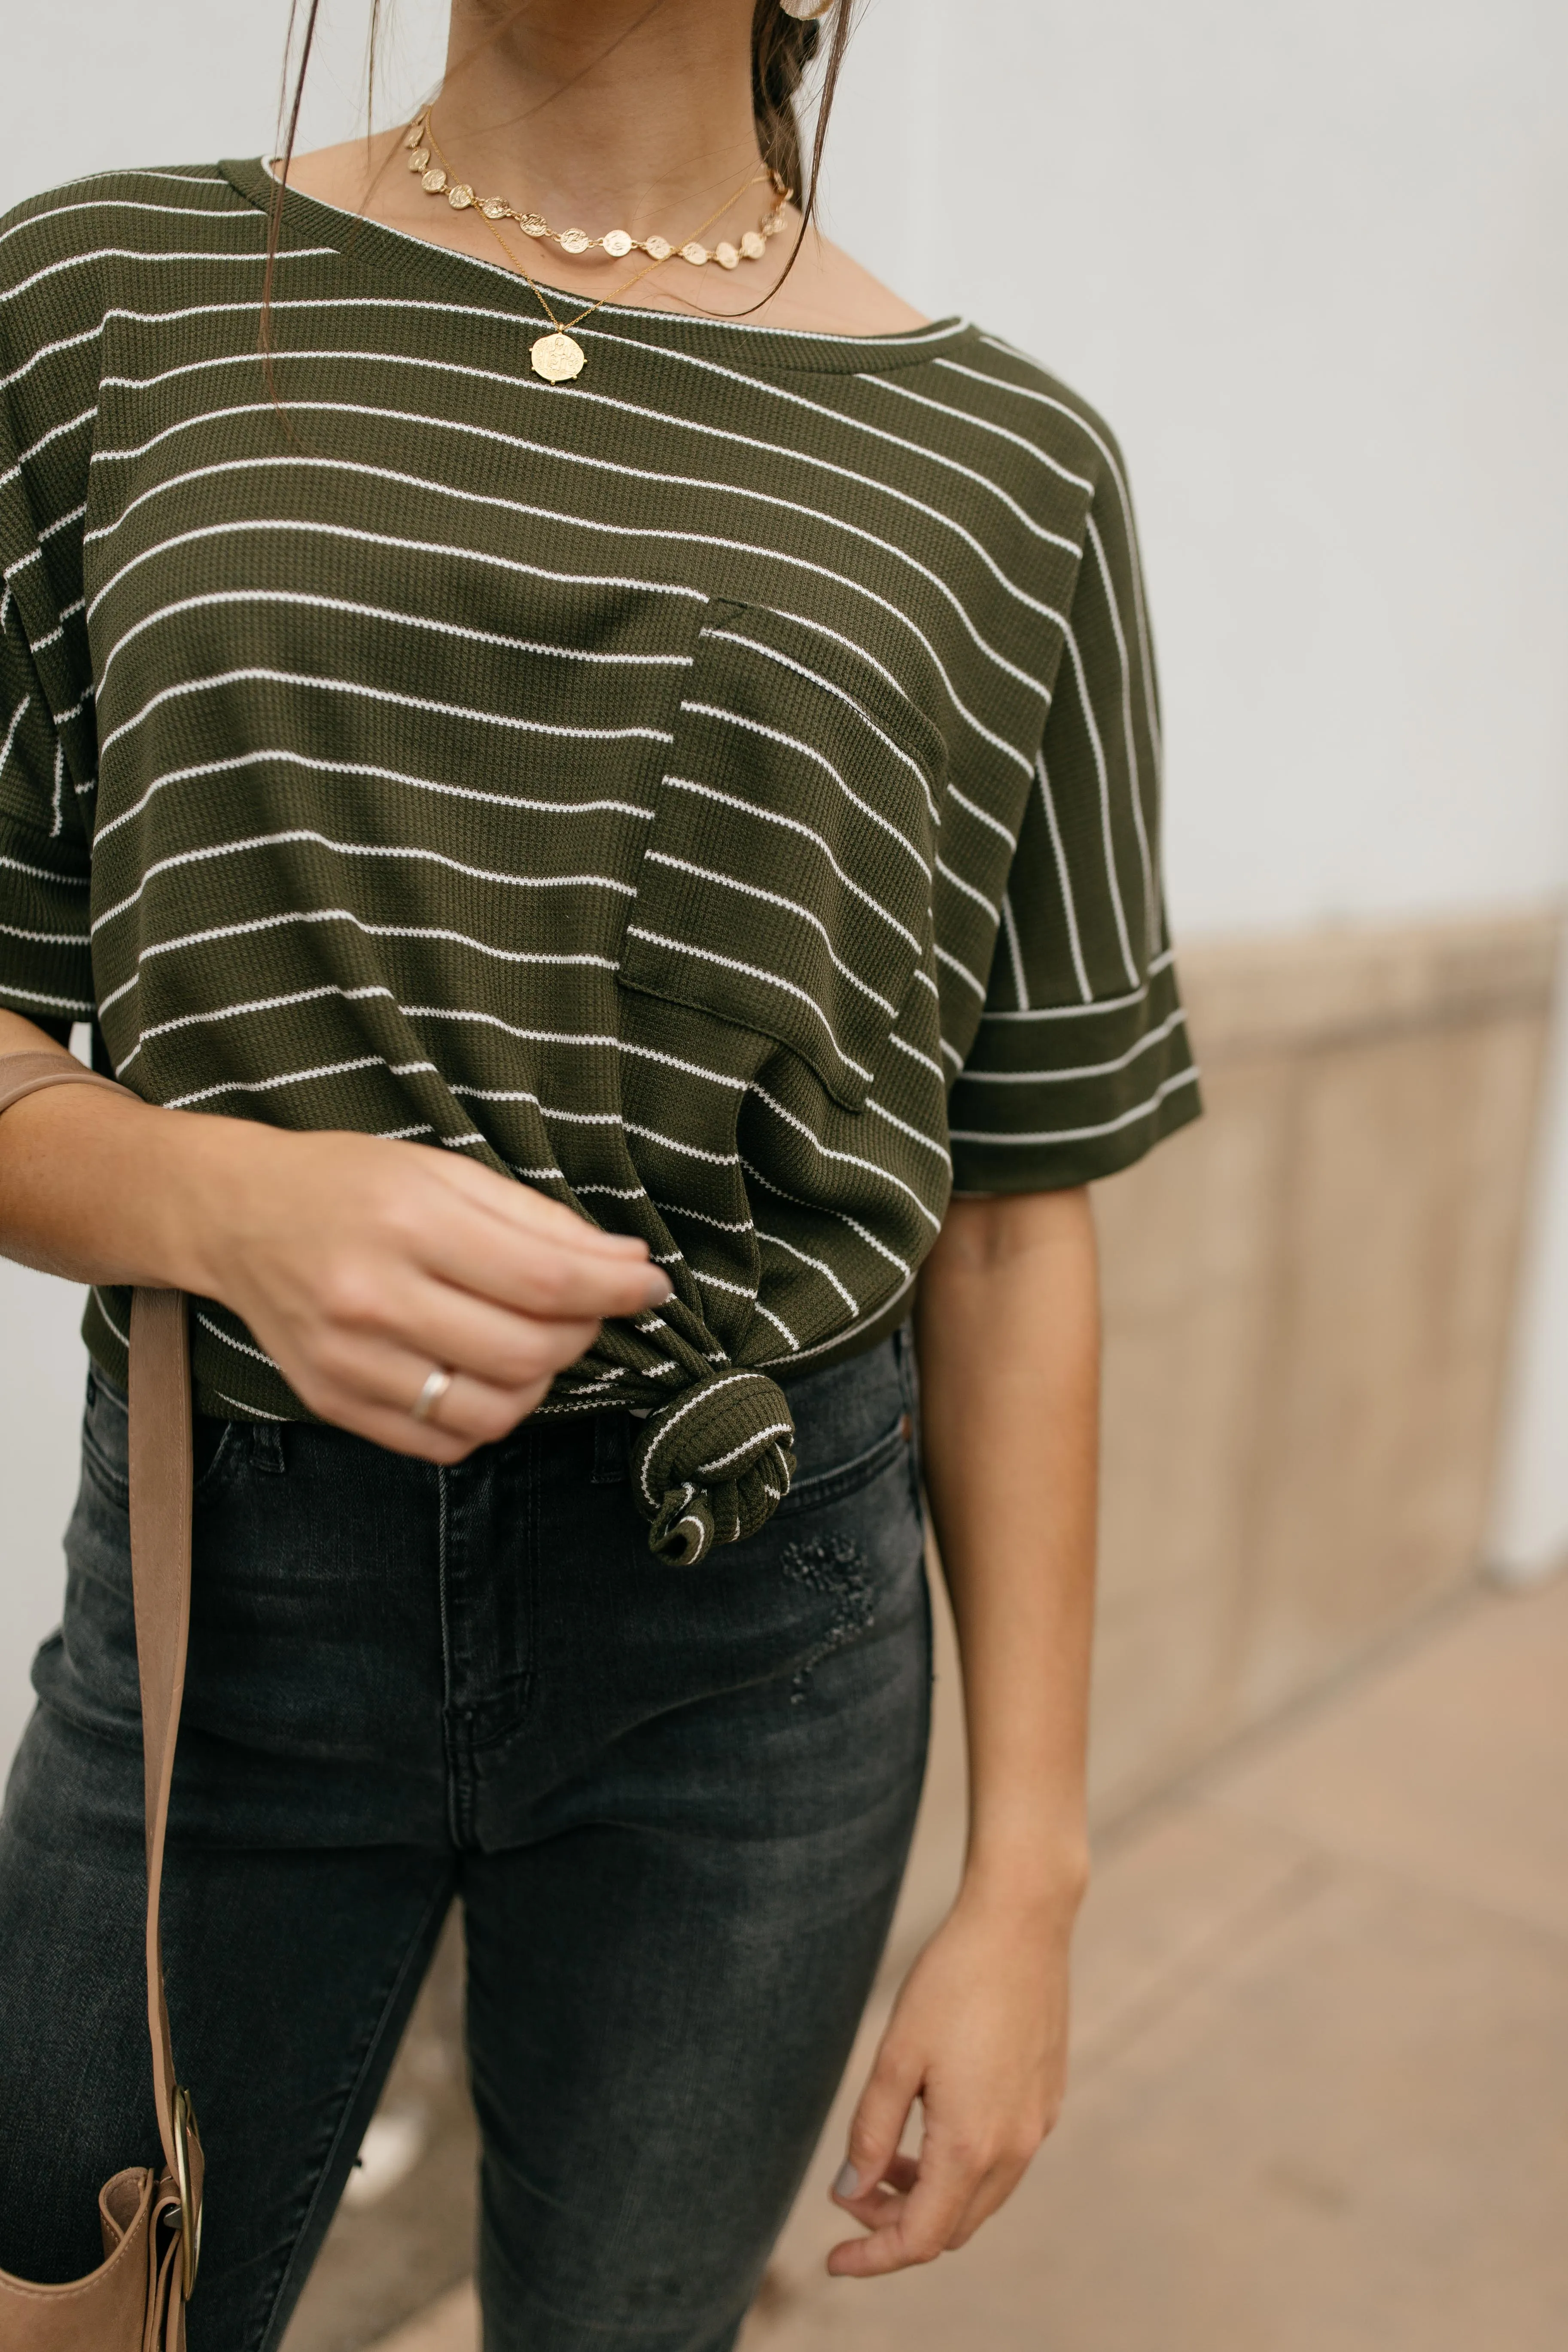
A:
(979, 2036)
(361, 1265)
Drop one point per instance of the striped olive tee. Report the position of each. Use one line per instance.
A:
(722, 791)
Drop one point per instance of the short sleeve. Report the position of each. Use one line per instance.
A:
(45, 964)
(1081, 1062)
(45, 720)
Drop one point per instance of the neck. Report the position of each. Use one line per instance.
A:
(603, 113)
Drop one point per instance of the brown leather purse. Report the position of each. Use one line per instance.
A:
(135, 2300)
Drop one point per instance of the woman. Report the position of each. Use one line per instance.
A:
(601, 802)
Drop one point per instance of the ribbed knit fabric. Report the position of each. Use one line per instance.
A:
(722, 791)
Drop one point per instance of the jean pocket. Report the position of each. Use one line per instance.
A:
(220, 1447)
(217, 1445)
(106, 1441)
(848, 1477)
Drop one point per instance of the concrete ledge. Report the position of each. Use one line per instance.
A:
(1325, 989)
(1308, 1304)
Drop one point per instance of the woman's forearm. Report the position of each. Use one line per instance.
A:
(104, 1191)
(1006, 1325)
(361, 1264)
(1007, 1331)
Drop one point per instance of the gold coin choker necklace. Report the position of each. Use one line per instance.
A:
(556, 356)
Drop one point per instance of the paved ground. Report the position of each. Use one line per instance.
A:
(1320, 2098)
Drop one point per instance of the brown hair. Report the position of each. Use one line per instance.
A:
(782, 48)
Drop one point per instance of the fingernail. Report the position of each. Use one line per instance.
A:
(848, 2183)
(661, 1290)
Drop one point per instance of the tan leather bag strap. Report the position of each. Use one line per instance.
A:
(161, 1483)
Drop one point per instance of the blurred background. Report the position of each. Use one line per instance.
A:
(1311, 264)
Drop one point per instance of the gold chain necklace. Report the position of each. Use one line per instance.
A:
(556, 357)
(435, 180)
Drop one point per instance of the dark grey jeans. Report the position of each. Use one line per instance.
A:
(675, 1805)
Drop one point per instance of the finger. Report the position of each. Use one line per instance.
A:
(901, 2175)
(503, 1346)
(397, 1431)
(871, 2204)
(470, 1253)
(373, 1392)
(542, 1279)
(526, 1208)
(538, 1274)
(476, 1412)
(883, 2205)
(371, 1386)
(878, 2125)
(916, 2228)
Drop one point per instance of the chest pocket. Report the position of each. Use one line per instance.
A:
(786, 884)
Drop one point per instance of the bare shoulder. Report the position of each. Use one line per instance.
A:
(828, 292)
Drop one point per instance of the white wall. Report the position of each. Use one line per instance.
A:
(41, 1371)
(1311, 264)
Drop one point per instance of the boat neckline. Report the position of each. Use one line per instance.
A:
(374, 241)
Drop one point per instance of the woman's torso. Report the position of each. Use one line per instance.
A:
(620, 782)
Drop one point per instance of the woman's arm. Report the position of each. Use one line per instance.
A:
(359, 1263)
(1007, 1332)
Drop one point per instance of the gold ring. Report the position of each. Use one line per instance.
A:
(437, 1383)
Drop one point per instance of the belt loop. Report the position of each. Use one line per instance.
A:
(609, 1449)
(267, 1445)
(908, 1367)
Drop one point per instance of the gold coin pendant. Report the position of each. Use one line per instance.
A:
(557, 358)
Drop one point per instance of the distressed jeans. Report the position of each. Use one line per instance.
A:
(675, 1803)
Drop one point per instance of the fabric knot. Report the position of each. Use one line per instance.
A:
(713, 1464)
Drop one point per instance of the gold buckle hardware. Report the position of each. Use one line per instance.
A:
(190, 2205)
